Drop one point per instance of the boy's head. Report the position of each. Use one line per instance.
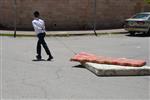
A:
(36, 14)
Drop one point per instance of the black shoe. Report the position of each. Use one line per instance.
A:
(38, 57)
(50, 58)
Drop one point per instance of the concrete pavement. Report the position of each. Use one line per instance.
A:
(64, 33)
(23, 79)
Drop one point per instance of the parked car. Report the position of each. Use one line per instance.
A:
(138, 23)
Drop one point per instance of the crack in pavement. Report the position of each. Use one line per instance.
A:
(36, 86)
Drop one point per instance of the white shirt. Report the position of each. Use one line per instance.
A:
(39, 26)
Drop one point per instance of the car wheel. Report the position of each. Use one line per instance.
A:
(132, 33)
(148, 33)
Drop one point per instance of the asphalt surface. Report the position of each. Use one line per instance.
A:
(22, 78)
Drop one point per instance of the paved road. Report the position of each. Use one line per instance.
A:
(22, 78)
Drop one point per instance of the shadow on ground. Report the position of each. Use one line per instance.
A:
(78, 66)
(139, 35)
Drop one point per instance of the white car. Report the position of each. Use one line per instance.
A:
(138, 23)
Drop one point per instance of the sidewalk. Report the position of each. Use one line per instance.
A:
(63, 33)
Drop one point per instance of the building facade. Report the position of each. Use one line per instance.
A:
(70, 14)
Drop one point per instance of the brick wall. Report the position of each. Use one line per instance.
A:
(70, 14)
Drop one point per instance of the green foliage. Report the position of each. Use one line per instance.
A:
(148, 1)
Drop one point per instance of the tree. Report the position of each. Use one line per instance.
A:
(148, 1)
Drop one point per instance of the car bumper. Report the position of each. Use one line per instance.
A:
(137, 29)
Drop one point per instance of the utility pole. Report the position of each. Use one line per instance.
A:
(94, 18)
(15, 17)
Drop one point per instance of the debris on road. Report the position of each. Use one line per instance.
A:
(84, 57)
(116, 70)
(108, 66)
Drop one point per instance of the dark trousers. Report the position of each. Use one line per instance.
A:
(42, 42)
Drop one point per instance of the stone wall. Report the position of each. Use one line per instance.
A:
(70, 14)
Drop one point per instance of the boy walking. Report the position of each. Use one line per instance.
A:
(39, 27)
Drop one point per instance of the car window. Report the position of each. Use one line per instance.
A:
(149, 18)
(141, 16)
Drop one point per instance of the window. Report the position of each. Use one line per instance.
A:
(141, 16)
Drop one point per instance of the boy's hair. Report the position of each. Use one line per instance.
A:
(36, 14)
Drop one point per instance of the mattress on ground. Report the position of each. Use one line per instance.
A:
(84, 57)
(116, 70)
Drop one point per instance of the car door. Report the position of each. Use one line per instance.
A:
(148, 21)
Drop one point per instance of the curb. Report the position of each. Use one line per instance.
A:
(63, 33)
